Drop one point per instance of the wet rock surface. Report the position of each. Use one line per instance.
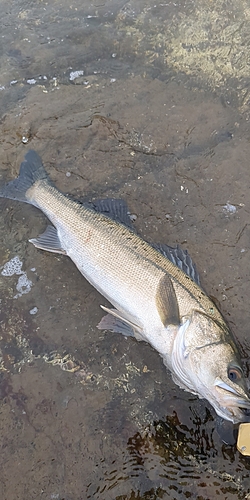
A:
(119, 103)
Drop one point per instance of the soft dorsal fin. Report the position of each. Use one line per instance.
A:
(116, 209)
(166, 302)
(181, 259)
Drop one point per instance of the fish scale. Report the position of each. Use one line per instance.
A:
(116, 249)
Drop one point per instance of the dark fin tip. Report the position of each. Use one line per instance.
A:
(31, 170)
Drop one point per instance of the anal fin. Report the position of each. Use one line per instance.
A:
(48, 241)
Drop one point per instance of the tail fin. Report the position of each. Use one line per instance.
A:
(31, 170)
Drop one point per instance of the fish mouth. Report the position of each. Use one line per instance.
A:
(232, 405)
(246, 413)
(244, 408)
(237, 412)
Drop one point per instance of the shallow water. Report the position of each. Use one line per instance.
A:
(148, 102)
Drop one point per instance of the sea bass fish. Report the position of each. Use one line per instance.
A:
(154, 291)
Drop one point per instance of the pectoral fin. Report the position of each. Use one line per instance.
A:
(48, 241)
(166, 302)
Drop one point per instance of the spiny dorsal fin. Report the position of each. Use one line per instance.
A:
(181, 259)
(117, 210)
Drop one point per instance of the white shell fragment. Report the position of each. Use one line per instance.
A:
(75, 74)
(23, 285)
(34, 310)
(231, 209)
(14, 266)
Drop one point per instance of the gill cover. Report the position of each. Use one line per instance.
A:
(179, 355)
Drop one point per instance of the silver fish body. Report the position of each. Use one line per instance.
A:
(153, 299)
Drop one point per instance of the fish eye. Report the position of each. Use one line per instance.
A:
(234, 374)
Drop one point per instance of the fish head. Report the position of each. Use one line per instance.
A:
(206, 362)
